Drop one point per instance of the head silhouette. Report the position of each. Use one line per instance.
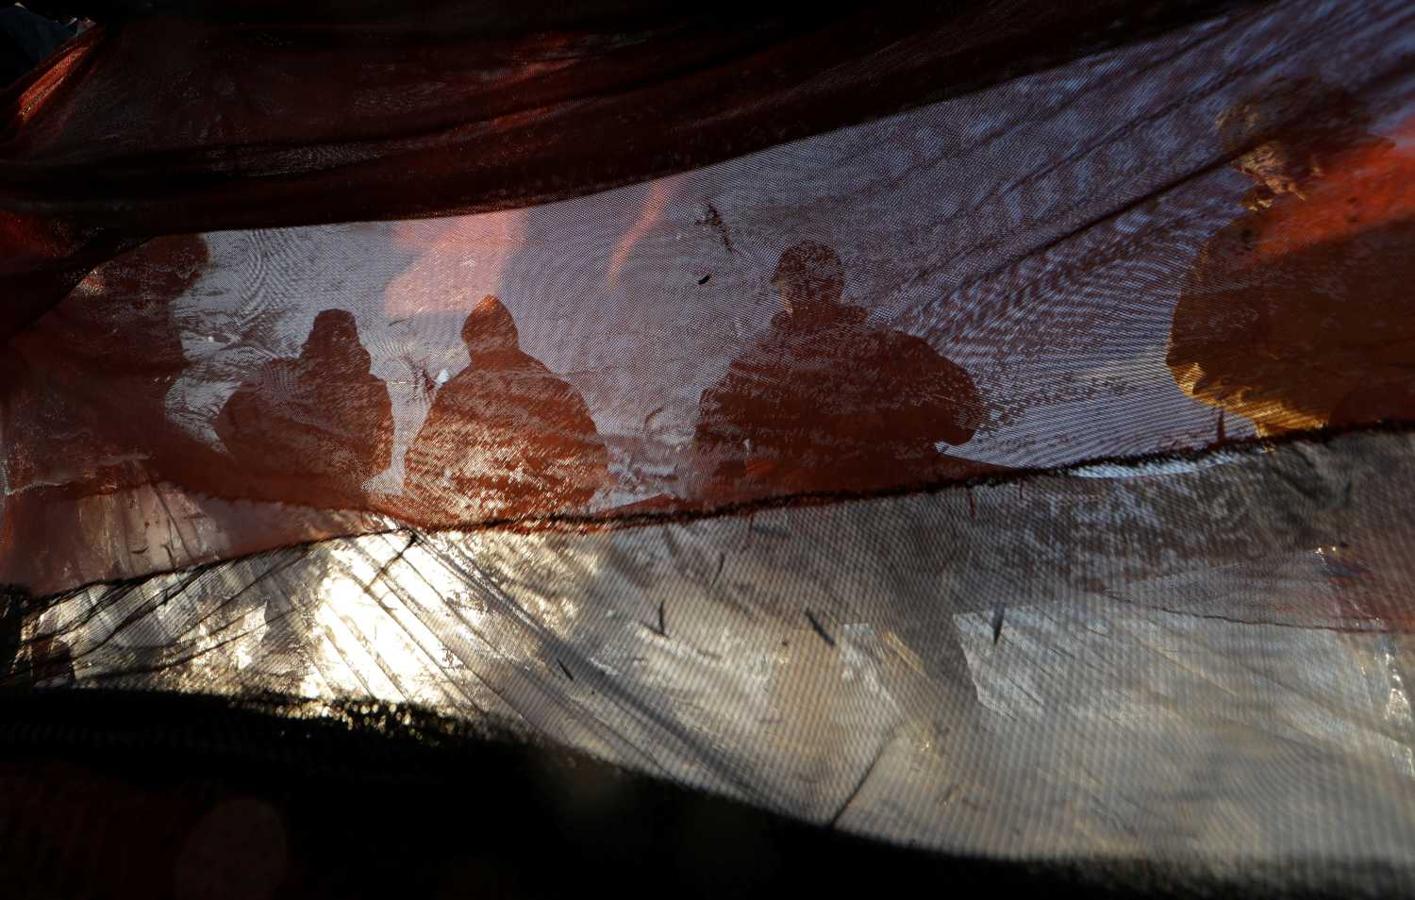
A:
(489, 328)
(334, 340)
(1288, 132)
(809, 278)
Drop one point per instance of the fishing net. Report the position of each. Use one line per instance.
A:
(974, 428)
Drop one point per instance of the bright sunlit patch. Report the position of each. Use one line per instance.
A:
(367, 642)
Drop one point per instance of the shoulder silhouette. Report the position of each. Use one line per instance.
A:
(83, 404)
(825, 402)
(505, 437)
(1297, 314)
(92, 374)
(312, 429)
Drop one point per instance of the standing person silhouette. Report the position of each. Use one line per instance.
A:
(1297, 314)
(83, 407)
(311, 430)
(506, 437)
(826, 402)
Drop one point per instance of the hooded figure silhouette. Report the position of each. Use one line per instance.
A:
(506, 437)
(312, 430)
(825, 402)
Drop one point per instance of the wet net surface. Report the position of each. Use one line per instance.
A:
(1021, 474)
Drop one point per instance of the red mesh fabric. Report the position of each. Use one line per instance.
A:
(984, 428)
(1055, 269)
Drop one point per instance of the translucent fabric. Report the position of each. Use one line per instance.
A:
(1203, 664)
(1013, 465)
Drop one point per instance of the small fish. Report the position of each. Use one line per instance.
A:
(997, 622)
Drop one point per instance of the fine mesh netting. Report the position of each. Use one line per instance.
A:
(993, 672)
(1008, 463)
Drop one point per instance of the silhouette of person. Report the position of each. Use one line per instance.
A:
(85, 387)
(506, 437)
(83, 405)
(311, 430)
(826, 402)
(1297, 314)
